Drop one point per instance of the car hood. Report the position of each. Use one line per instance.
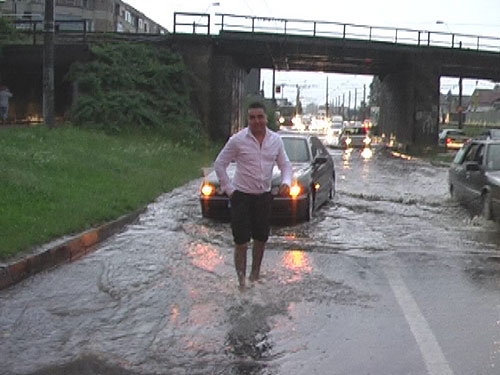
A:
(299, 170)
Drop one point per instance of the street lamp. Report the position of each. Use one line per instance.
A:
(214, 4)
(441, 22)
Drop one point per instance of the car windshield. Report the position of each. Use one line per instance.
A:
(493, 157)
(455, 132)
(296, 149)
(355, 131)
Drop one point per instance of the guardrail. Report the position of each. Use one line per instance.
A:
(35, 27)
(180, 22)
(404, 36)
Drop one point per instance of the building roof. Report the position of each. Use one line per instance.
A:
(486, 97)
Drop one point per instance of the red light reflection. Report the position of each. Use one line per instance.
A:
(298, 262)
(205, 256)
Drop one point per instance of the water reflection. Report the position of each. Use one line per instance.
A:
(367, 153)
(205, 256)
(298, 262)
(400, 155)
(247, 342)
(346, 156)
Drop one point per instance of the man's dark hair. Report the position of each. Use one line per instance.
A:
(255, 105)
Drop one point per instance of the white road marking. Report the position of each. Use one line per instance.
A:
(433, 356)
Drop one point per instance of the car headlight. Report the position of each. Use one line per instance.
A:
(207, 189)
(295, 190)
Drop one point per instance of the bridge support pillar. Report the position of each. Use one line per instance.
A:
(227, 99)
(410, 105)
(219, 87)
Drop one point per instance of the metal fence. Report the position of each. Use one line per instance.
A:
(33, 28)
(199, 23)
(489, 118)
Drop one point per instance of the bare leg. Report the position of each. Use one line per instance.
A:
(257, 255)
(240, 263)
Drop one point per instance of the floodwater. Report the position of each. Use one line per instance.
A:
(391, 277)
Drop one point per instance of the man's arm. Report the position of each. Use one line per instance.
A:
(221, 163)
(286, 170)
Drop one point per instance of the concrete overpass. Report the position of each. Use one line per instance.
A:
(408, 62)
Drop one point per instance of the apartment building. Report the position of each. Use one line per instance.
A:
(99, 15)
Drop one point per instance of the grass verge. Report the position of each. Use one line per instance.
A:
(61, 181)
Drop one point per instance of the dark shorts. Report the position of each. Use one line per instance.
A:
(250, 215)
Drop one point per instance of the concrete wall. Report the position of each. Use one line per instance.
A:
(228, 92)
(410, 104)
(219, 87)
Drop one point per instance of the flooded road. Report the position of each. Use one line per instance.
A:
(391, 277)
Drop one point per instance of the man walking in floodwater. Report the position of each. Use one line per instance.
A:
(255, 149)
(5, 95)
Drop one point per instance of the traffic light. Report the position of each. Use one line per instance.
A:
(277, 89)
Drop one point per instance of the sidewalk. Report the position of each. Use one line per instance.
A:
(61, 251)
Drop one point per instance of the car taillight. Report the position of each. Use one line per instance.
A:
(207, 189)
(295, 190)
(448, 140)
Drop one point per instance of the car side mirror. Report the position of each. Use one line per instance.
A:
(472, 166)
(320, 160)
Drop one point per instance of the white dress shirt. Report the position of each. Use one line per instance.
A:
(254, 162)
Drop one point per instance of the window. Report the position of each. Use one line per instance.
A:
(493, 158)
(318, 146)
(128, 16)
(296, 149)
(471, 153)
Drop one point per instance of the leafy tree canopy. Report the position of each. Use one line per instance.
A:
(135, 87)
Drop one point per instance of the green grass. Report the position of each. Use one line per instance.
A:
(61, 181)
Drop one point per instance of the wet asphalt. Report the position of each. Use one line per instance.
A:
(391, 277)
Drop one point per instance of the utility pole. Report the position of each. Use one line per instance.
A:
(349, 107)
(274, 85)
(343, 104)
(48, 64)
(326, 104)
(460, 109)
(355, 101)
(297, 101)
(365, 115)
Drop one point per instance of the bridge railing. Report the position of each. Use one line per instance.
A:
(196, 22)
(233, 22)
(252, 24)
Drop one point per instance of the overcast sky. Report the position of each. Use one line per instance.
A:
(478, 17)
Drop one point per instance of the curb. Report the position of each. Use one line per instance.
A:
(76, 247)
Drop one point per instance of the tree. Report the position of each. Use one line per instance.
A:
(375, 92)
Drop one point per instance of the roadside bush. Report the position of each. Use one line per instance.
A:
(130, 87)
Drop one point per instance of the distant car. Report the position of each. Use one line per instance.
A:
(489, 134)
(333, 133)
(474, 176)
(452, 139)
(313, 182)
(355, 135)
